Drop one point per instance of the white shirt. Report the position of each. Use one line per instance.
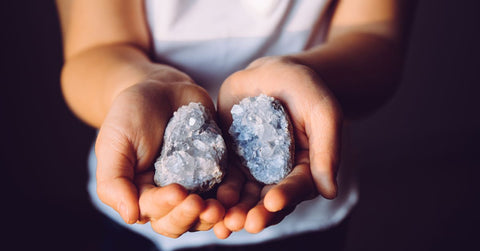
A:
(211, 39)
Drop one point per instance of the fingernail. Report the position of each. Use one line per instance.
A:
(334, 188)
(328, 187)
(123, 210)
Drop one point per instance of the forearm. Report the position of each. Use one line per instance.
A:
(93, 78)
(362, 70)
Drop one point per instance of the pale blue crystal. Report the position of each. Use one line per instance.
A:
(262, 137)
(193, 151)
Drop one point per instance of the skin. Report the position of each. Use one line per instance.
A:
(110, 82)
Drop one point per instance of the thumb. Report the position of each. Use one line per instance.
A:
(323, 129)
(115, 173)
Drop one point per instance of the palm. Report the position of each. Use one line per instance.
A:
(315, 119)
(128, 143)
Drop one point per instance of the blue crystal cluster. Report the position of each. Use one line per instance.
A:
(262, 136)
(193, 151)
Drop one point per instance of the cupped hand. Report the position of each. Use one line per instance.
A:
(127, 144)
(316, 119)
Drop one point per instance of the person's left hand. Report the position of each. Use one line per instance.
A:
(317, 121)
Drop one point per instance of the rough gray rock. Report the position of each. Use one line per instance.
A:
(193, 151)
(263, 139)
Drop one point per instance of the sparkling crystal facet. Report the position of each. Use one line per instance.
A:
(263, 139)
(193, 151)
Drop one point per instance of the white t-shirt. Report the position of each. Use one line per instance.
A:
(211, 39)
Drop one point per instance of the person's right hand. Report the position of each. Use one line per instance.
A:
(129, 141)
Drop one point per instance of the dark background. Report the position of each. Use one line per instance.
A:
(417, 157)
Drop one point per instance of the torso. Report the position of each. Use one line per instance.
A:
(211, 39)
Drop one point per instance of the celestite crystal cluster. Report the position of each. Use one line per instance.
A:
(193, 152)
(262, 135)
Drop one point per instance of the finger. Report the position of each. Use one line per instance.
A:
(221, 231)
(226, 99)
(115, 172)
(212, 214)
(120, 194)
(181, 218)
(259, 218)
(296, 187)
(157, 202)
(323, 131)
(232, 93)
(235, 217)
(228, 192)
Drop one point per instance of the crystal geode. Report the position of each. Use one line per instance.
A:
(262, 135)
(193, 151)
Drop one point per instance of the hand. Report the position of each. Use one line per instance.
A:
(128, 143)
(316, 119)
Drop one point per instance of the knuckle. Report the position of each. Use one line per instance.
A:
(189, 212)
(208, 221)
